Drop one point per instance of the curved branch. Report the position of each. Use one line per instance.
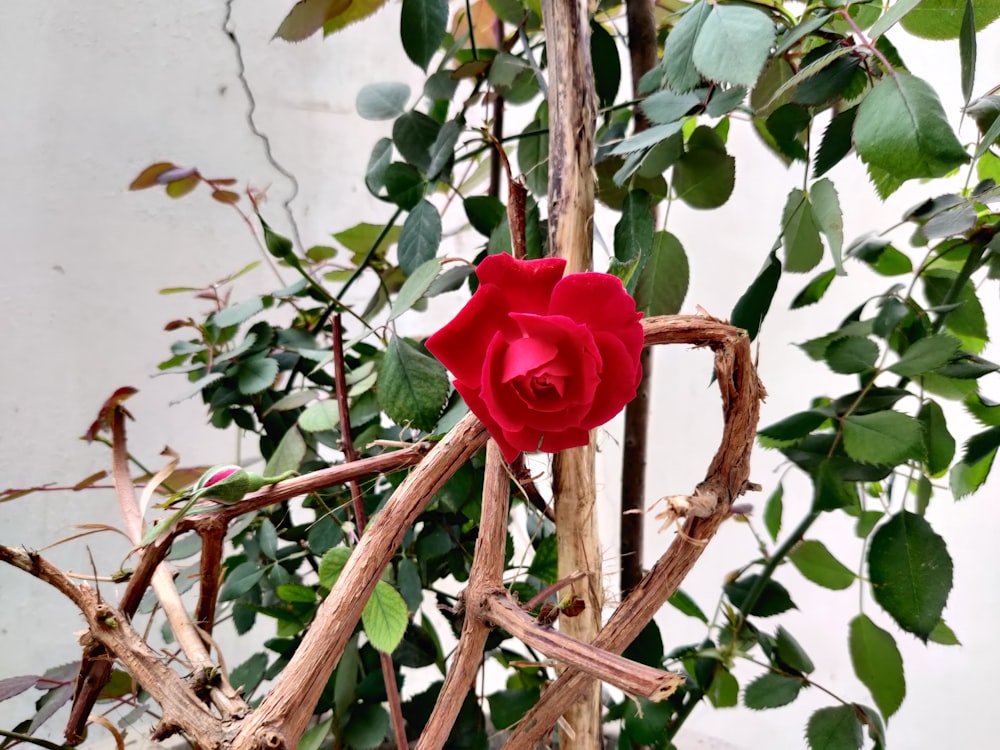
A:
(727, 478)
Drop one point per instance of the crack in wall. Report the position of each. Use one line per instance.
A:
(229, 31)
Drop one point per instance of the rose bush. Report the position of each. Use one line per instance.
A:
(541, 358)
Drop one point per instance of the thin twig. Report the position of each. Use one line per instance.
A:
(361, 519)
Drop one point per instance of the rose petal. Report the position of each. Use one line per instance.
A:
(526, 284)
(477, 406)
(553, 442)
(600, 301)
(461, 344)
(619, 380)
(578, 355)
(526, 354)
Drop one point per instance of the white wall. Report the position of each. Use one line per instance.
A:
(93, 92)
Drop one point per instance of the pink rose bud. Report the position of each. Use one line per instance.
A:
(226, 483)
(221, 473)
(541, 358)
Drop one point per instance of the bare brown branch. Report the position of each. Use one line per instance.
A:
(496, 607)
(486, 573)
(109, 627)
(284, 713)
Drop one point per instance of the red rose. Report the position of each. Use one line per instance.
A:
(539, 358)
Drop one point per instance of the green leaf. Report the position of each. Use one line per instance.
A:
(442, 150)
(289, 454)
(533, 153)
(422, 24)
(793, 427)
(832, 490)
(331, 565)
(236, 314)
(681, 73)
(814, 290)
(295, 593)
(790, 653)
(378, 162)
(665, 107)
(787, 127)
(382, 101)
(413, 387)
(834, 728)
(817, 564)
(885, 437)
(685, 604)
(385, 617)
(966, 478)
(911, 572)
(902, 130)
(926, 354)
(878, 664)
(647, 139)
(836, 141)
(419, 237)
(942, 19)
(830, 219)
(943, 635)
(967, 50)
(663, 281)
(240, 580)
(891, 17)
(852, 354)
(968, 321)
(367, 727)
(404, 184)
(507, 707)
(634, 234)
(415, 287)
(724, 101)
(724, 691)
(267, 537)
(705, 175)
(606, 63)
(774, 598)
(733, 44)
(313, 737)
(413, 134)
(544, 565)
(256, 375)
(321, 416)
(939, 445)
(249, 674)
(986, 412)
(981, 445)
(484, 212)
(800, 234)
(752, 306)
(772, 512)
(771, 690)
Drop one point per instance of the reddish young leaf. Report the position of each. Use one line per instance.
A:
(226, 196)
(107, 409)
(148, 177)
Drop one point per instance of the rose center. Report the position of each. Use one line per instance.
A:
(540, 388)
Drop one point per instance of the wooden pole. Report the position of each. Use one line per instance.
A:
(572, 112)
